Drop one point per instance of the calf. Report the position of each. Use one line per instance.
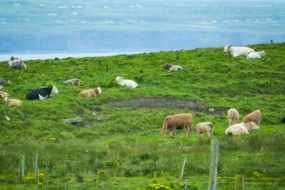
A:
(178, 121)
(11, 102)
(254, 55)
(94, 92)
(204, 127)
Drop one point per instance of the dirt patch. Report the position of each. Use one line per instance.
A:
(166, 102)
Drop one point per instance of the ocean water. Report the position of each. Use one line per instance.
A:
(43, 56)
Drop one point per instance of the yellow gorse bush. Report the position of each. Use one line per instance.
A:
(157, 186)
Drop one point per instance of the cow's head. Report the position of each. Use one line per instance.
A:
(118, 78)
(253, 126)
(226, 48)
(54, 89)
(262, 53)
(98, 90)
(167, 66)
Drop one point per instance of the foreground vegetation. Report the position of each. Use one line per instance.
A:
(119, 145)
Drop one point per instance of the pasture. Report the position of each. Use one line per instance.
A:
(118, 144)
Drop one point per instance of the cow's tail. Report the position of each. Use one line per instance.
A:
(164, 127)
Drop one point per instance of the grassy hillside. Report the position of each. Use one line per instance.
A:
(119, 145)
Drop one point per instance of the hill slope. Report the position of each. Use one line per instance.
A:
(120, 133)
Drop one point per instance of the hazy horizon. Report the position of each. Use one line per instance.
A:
(29, 26)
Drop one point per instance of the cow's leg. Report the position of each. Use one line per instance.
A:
(174, 131)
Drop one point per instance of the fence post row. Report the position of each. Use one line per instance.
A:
(239, 182)
(22, 169)
(214, 164)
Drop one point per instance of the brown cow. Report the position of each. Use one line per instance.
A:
(94, 92)
(254, 116)
(178, 121)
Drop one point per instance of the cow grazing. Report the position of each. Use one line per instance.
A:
(204, 127)
(126, 82)
(94, 92)
(73, 82)
(11, 102)
(233, 116)
(178, 121)
(237, 50)
(41, 93)
(254, 55)
(254, 116)
(4, 81)
(17, 64)
(4, 94)
(173, 67)
(241, 129)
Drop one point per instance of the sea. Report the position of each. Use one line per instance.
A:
(44, 56)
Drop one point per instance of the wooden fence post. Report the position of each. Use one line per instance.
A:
(183, 167)
(214, 164)
(239, 182)
(36, 163)
(46, 178)
(22, 169)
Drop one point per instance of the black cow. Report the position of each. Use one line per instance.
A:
(282, 120)
(41, 93)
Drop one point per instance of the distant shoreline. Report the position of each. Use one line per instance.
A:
(44, 56)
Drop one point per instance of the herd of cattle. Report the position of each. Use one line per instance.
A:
(185, 121)
(172, 122)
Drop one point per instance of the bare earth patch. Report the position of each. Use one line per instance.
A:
(166, 102)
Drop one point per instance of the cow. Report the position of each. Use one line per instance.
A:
(233, 116)
(237, 50)
(42, 93)
(74, 82)
(17, 64)
(282, 120)
(126, 82)
(204, 127)
(93, 92)
(254, 55)
(178, 121)
(11, 102)
(241, 129)
(4, 81)
(4, 94)
(173, 67)
(255, 116)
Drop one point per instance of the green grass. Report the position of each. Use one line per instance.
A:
(119, 144)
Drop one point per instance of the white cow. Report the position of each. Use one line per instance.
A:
(204, 127)
(237, 50)
(254, 55)
(173, 67)
(126, 82)
(241, 129)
